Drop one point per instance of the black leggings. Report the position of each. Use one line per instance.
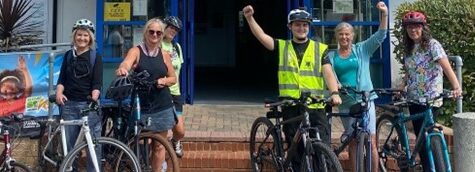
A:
(414, 109)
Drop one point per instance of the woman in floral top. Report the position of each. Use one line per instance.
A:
(425, 63)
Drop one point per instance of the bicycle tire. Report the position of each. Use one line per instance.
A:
(54, 151)
(322, 159)
(111, 149)
(363, 154)
(436, 147)
(17, 167)
(389, 145)
(145, 151)
(262, 146)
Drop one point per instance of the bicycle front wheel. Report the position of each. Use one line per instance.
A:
(321, 159)
(438, 154)
(17, 167)
(54, 151)
(144, 150)
(363, 153)
(263, 146)
(115, 156)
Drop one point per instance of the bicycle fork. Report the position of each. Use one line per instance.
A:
(445, 151)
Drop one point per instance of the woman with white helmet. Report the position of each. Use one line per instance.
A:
(80, 77)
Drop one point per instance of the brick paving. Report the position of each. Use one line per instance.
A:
(228, 122)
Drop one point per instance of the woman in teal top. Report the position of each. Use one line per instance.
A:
(351, 65)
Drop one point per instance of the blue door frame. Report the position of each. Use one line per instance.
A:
(184, 9)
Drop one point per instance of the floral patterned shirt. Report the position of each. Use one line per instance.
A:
(425, 75)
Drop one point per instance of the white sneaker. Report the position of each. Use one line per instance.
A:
(178, 148)
(164, 166)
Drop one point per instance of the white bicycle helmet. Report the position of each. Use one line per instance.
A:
(299, 15)
(84, 23)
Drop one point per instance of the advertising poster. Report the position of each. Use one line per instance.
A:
(24, 83)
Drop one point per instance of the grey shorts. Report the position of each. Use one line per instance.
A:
(160, 121)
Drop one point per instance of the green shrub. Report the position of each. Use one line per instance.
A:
(452, 23)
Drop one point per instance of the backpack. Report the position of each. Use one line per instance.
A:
(177, 48)
(92, 58)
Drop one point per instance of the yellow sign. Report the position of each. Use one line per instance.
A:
(117, 11)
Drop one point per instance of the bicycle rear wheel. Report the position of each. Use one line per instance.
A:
(321, 158)
(263, 147)
(388, 138)
(17, 167)
(144, 151)
(116, 156)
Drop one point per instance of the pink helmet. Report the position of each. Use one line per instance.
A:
(413, 17)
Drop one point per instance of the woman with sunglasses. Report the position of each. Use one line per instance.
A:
(80, 77)
(15, 87)
(156, 104)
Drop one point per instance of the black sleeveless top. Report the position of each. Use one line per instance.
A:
(157, 99)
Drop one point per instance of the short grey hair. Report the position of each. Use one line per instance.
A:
(344, 25)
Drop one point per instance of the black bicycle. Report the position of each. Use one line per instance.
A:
(125, 122)
(267, 146)
(361, 134)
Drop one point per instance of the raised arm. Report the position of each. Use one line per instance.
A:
(26, 74)
(265, 39)
(383, 18)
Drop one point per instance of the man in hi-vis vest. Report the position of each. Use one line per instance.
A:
(301, 69)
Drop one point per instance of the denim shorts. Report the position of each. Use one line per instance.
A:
(159, 121)
(348, 121)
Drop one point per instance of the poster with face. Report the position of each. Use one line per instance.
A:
(24, 83)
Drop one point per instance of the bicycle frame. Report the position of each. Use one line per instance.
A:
(83, 133)
(7, 150)
(302, 134)
(360, 126)
(427, 125)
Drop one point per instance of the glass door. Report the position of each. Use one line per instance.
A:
(364, 16)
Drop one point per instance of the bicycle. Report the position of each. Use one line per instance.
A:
(127, 126)
(266, 144)
(7, 162)
(396, 145)
(360, 133)
(54, 154)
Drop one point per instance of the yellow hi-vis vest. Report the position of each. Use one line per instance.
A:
(306, 77)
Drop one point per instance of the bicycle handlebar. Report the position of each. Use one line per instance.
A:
(305, 99)
(402, 98)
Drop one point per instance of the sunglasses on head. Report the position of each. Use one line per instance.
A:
(158, 32)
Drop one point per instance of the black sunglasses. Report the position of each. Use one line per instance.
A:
(158, 32)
